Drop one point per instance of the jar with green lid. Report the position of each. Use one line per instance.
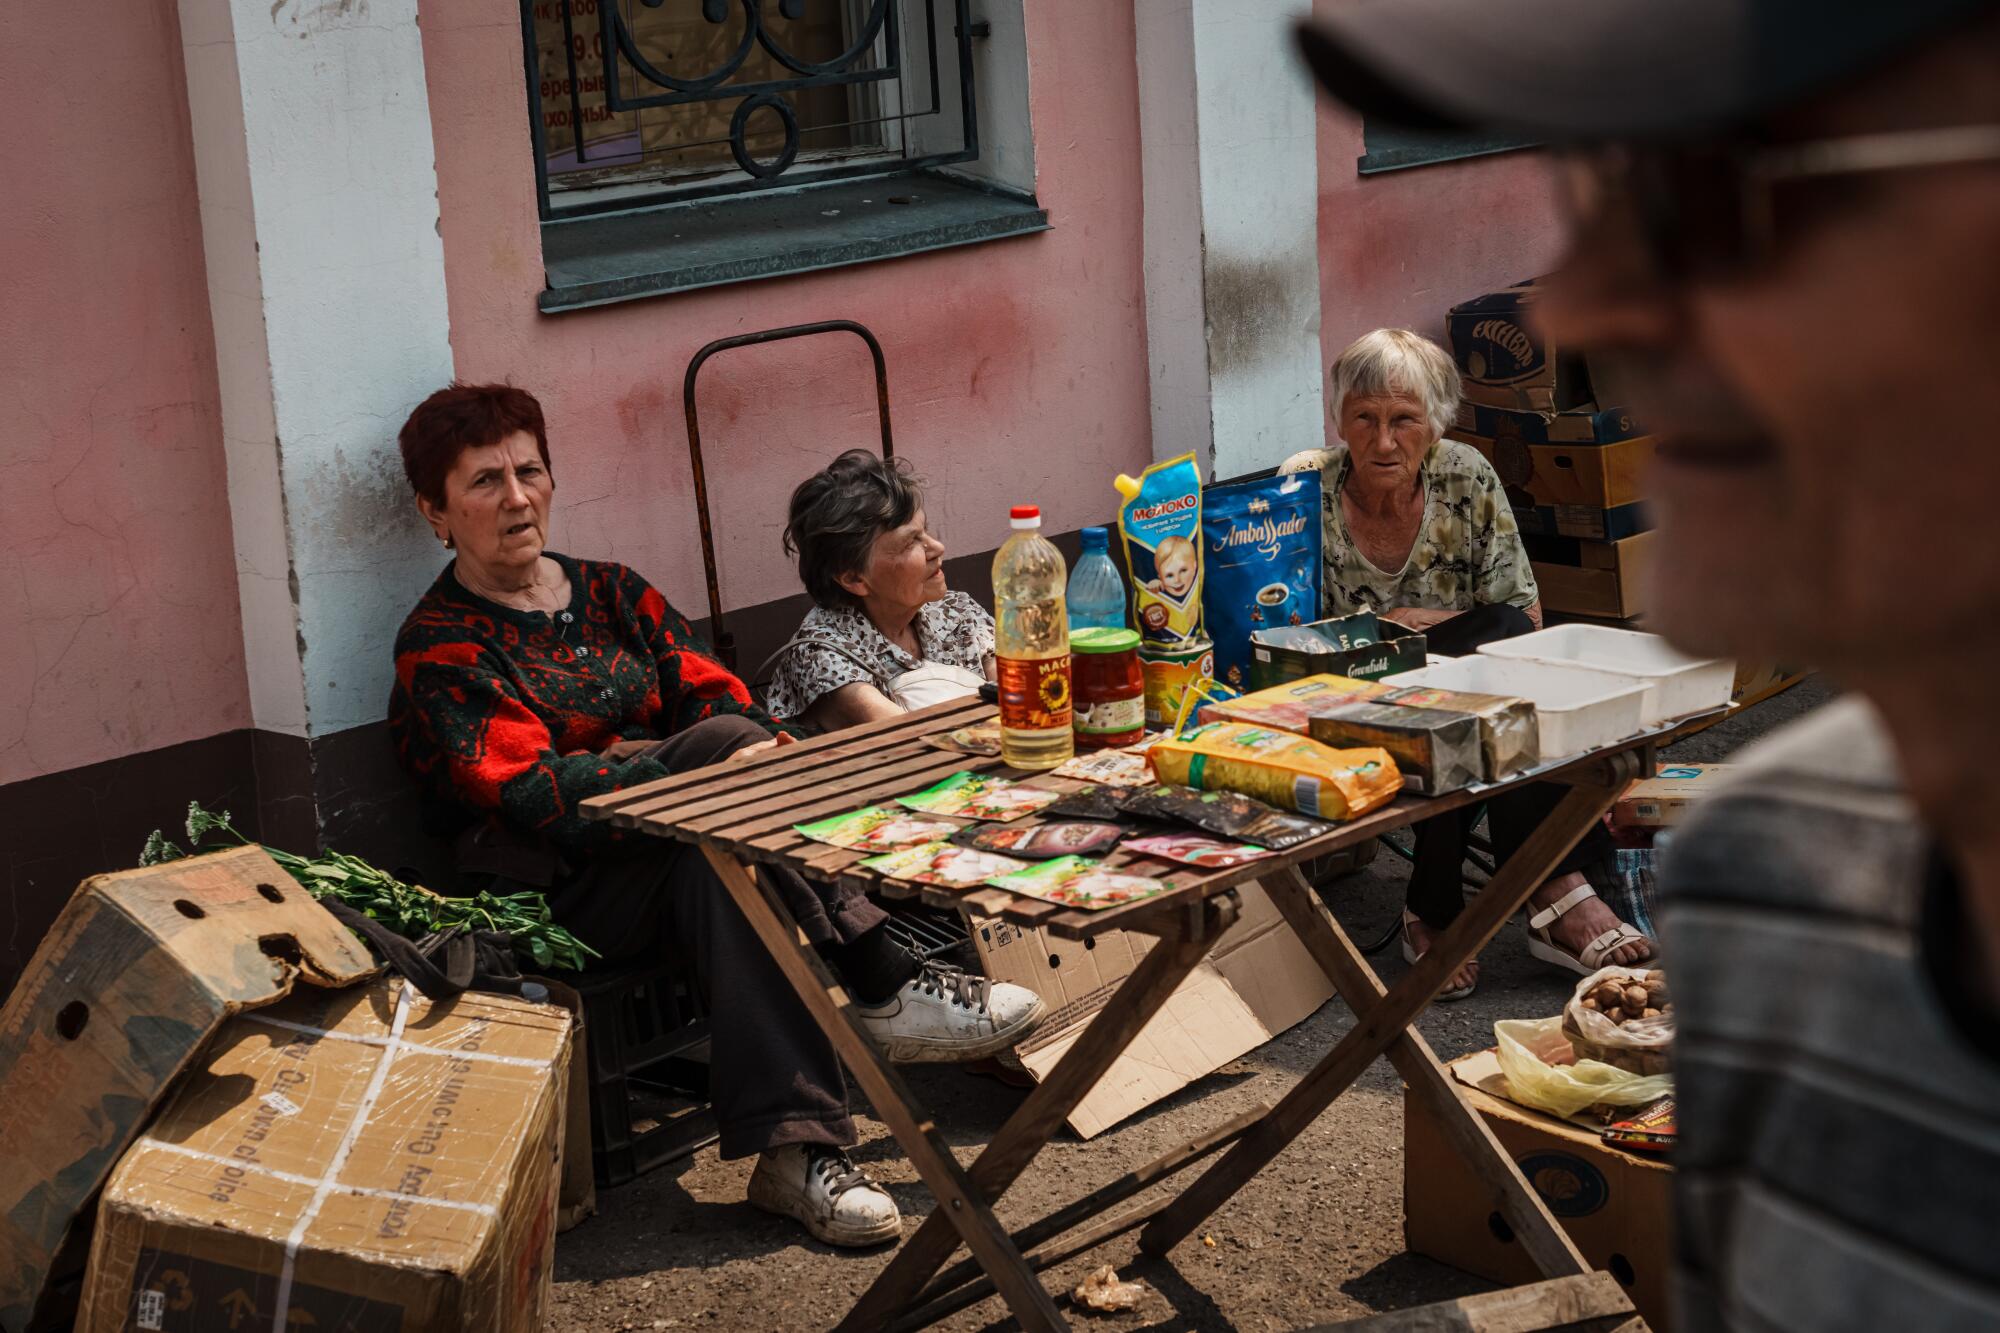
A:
(1108, 690)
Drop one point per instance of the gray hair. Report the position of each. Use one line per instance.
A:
(1399, 361)
(839, 511)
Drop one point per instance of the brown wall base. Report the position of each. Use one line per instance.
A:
(343, 790)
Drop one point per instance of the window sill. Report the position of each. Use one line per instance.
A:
(598, 260)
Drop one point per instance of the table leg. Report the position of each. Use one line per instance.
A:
(1384, 1022)
(957, 1198)
(1508, 1191)
(1044, 1109)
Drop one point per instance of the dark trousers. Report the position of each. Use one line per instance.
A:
(773, 1075)
(1437, 892)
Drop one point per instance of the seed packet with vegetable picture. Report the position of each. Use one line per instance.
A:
(880, 828)
(1078, 881)
(982, 738)
(942, 864)
(1196, 850)
(979, 796)
(1042, 842)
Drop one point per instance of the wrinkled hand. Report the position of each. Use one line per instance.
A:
(763, 747)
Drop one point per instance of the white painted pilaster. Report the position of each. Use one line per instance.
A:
(1231, 187)
(326, 285)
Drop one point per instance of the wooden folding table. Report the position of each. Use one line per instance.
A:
(742, 814)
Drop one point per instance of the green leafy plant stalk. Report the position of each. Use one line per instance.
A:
(406, 909)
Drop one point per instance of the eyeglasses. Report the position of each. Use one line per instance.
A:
(1716, 210)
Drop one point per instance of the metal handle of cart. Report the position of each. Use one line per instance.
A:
(725, 643)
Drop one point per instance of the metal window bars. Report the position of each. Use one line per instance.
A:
(879, 54)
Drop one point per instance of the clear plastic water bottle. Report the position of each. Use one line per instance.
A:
(1096, 593)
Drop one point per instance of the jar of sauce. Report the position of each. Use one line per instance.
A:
(1109, 690)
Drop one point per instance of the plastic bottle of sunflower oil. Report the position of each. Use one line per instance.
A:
(1032, 643)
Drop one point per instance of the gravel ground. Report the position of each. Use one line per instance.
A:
(1316, 1238)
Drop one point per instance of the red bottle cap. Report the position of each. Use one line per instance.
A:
(1025, 511)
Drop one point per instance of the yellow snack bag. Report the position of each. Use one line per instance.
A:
(1160, 520)
(1278, 767)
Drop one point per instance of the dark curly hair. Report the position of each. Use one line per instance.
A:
(461, 416)
(839, 511)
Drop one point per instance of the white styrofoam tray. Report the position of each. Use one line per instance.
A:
(1577, 709)
(1676, 684)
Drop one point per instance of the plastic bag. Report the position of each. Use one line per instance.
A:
(1262, 565)
(1160, 520)
(1642, 1045)
(1288, 771)
(1536, 1058)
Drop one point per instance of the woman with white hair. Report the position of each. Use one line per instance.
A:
(1417, 528)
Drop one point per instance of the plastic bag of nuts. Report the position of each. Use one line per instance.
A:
(1622, 1016)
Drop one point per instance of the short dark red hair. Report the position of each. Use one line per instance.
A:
(465, 416)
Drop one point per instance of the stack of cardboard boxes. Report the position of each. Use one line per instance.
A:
(1573, 467)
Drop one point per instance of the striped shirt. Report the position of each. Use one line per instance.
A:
(1838, 1083)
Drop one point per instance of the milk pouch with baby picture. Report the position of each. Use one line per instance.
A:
(1160, 521)
(1261, 563)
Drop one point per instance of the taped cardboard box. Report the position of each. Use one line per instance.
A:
(1668, 797)
(1585, 522)
(1505, 359)
(1257, 981)
(1585, 425)
(1592, 578)
(1594, 476)
(1615, 1205)
(362, 1160)
(126, 986)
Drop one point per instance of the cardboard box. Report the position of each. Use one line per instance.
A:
(1592, 578)
(1669, 796)
(1505, 360)
(1436, 749)
(1510, 735)
(126, 986)
(1593, 476)
(1615, 1205)
(1290, 706)
(1359, 647)
(361, 1159)
(1586, 425)
(1584, 521)
(1256, 982)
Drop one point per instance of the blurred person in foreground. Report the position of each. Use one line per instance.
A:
(1785, 258)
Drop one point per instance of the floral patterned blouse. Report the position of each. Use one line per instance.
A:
(1468, 550)
(841, 646)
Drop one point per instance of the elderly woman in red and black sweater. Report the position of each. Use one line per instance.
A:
(527, 681)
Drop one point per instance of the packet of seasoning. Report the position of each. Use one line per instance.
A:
(1436, 749)
(1100, 802)
(1119, 768)
(879, 828)
(1042, 842)
(1078, 881)
(1196, 849)
(978, 796)
(981, 738)
(942, 864)
(1226, 814)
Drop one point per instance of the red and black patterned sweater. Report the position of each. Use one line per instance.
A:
(502, 711)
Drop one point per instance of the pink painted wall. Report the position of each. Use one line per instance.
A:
(1402, 247)
(1017, 368)
(117, 578)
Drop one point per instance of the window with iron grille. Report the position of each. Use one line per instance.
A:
(638, 102)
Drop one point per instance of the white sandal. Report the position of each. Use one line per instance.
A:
(1410, 955)
(1542, 946)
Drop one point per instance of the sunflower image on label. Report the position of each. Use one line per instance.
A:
(1034, 693)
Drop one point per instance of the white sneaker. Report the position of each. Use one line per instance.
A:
(943, 1014)
(820, 1188)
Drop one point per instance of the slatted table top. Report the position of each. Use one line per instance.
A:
(750, 808)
